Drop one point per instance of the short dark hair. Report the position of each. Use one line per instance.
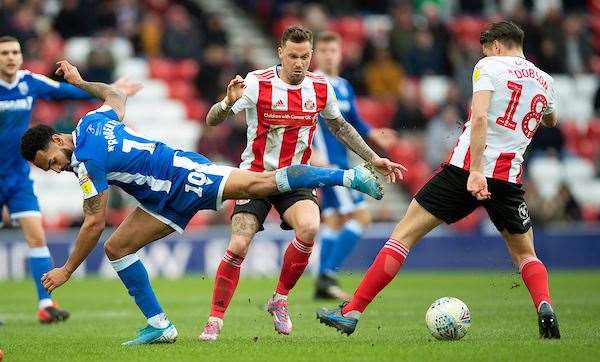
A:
(505, 32)
(8, 39)
(296, 34)
(327, 37)
(36, 139)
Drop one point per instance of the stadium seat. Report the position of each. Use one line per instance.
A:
(133, 68)
(182, 90)
(187, 69)
(577, 170)
(434, 89)
(37, 66)
(547, 175)
(376, 113)
(162, 69)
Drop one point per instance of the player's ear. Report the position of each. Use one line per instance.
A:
(280, 52)
(56, 138)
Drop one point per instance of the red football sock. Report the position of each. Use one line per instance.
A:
(226, 280)
(385, 267)
(535, 276)
(295, 261)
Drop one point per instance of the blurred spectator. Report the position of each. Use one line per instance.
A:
(441, 135)
(105, 17)
(547, 140)
(23, 25)
(210, 81)
(73, 19)
(100, 66)
(383, 75)
(181, 37)
(578, 45)
(562, 207)
(128, 17)
(315, 17)
(150, 35)
(552, 60)
(246, 63)
(402, 32)
(409, 116)
(533, 35)
(352, 71)
(215, 34)
(440, 32)
(424, 57)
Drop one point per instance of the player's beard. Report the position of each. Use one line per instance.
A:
(68, 154)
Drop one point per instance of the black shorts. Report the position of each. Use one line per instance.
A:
(445, 195)
(261, 207)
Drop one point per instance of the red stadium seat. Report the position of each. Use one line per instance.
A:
(187, 69)
(350, 28)
(162, 69)
(182, 90)
(196, 109)
(47, 112)
(593, 131)
(376, 113)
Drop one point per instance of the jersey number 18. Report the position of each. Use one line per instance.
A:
(507, 119)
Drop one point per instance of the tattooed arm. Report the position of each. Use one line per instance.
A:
(93, 224)
(220, 110)
(110, 95)
(348, 135)
(344, 132)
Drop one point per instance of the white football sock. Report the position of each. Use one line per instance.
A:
(45, 303)
(159, 321)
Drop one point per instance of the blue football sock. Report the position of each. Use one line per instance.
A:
(328, 238)
(39, 264)
(343, 246)
(133, 274)
(303, 176)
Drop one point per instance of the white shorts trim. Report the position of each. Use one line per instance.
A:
(227, 171)
(21, 214)
(162, 219)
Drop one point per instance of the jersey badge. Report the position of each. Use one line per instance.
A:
(476, 74)
(23, 88)
(309, 105)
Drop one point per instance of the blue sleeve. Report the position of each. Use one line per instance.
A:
(92, 178)
(52, 90)
(355, 120)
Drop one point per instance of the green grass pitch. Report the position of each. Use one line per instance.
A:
(504, 325)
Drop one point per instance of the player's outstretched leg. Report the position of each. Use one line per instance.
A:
(40, 262)
(535, 276)
(361, 178)
(139, 229)
(416, 223)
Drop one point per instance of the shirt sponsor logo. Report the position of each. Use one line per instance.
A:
(108, 131)
(22, 104)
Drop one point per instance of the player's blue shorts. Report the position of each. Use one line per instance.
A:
(341, 200)
(197, 184)
(16, 192)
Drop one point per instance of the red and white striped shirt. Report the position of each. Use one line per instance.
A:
(521, 95)
(282, 118)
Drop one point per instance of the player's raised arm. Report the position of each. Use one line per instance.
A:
(111, 95)
(220, 110)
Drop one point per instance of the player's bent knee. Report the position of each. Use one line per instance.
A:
(307, 230)
(239, 245)
(114, 251)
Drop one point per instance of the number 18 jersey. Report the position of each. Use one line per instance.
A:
(521, 95)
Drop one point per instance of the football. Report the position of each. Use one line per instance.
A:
(448, 318)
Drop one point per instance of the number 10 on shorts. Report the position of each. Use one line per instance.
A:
(195, 181)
